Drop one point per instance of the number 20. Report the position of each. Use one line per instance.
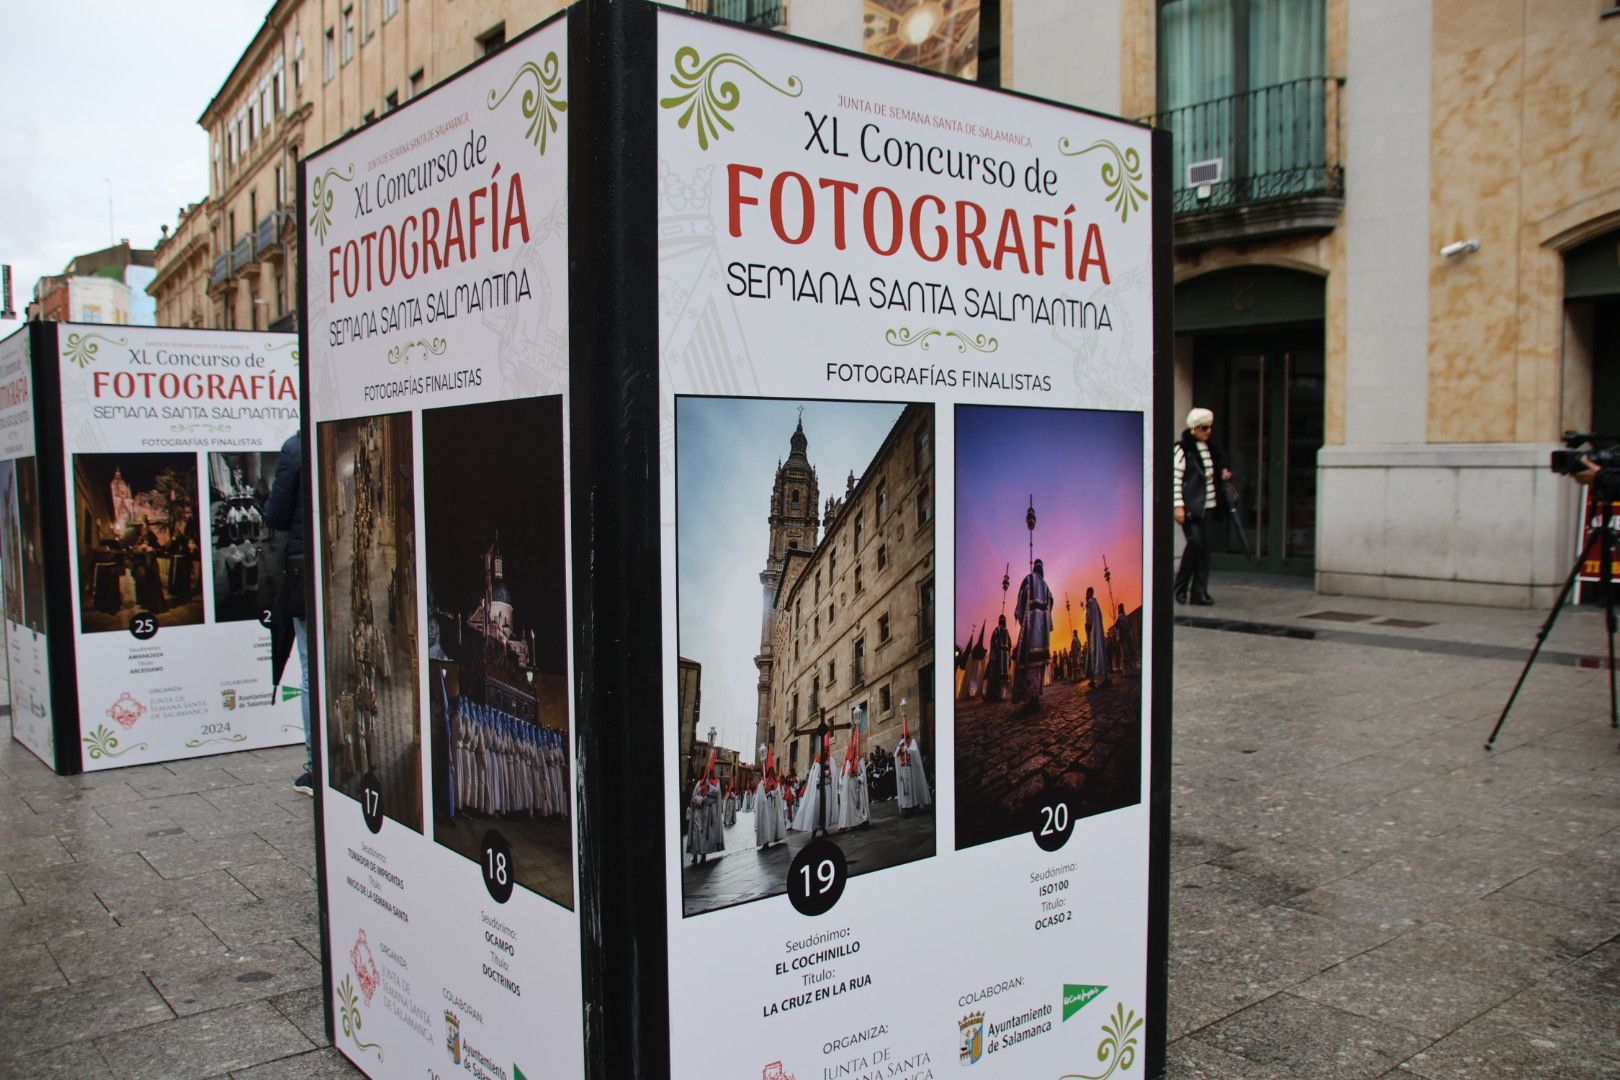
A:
(1055, 819)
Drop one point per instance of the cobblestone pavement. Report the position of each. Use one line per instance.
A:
(1080, 744)
(1358, 889)
(743, 872)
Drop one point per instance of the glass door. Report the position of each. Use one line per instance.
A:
(1267, 393)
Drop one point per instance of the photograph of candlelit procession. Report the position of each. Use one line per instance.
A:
(367, 530)
(247, 561)
(1048, 615)
(23, 555)
(21, 550)
(137, 539)
(497, 635)
(806, 631)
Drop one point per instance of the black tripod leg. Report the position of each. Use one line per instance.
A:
(1541, 637)
(1608, 611)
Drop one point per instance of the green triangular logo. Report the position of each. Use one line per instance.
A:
(517, 1073)
(1076, 998)
(290, 692)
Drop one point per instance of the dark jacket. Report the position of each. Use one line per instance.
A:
(1193, 496)
(285, 509)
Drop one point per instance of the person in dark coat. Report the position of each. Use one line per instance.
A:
(285, 510)
(1197, 470)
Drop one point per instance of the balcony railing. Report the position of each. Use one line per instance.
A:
(242, 253)
(767, 14)
(222, 269)
(1275, 143)
(268, 232)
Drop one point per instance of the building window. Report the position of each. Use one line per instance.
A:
(883, 628)
(857, 669)
(418, 79)
(818, 586)
(91, 313)
(492, 39)
(925, 507)
(882, 502)
(883, 556)
(329, 55)
(390, 9)
(919, 449)
(859, 584)
(817, 629)
(831, 615)
(815, 696)
(925, 613)
(832, 567)
(925, 685)
(793, 716)
(860, 530)
(298, 60)
(1244, 82)
(832, 672)
(794, 496)
(348, 33)
(365, 20)
(885, 699)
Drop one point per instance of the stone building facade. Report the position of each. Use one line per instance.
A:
(849, 600)
(315, 71)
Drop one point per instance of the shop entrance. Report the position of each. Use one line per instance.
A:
(1266, 390)
(1257, 337)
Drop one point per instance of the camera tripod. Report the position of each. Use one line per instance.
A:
(1605, 541)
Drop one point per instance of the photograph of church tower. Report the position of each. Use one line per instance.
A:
(497, 635)
(817, 660)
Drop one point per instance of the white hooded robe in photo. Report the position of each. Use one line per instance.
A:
(853, 807)
(807, 818)
(911, 782)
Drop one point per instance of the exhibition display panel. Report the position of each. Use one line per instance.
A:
(139, 571)
(738, 469)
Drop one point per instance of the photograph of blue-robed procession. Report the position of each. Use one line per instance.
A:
(806, 600)
(497, 626)
(1049, 577)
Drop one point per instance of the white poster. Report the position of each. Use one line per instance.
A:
(906, 333)
(438, 324)
(22, 552)
(170, 439)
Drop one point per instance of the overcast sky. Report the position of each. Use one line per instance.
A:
(98, 90)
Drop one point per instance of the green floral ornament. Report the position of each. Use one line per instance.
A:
(703, 104)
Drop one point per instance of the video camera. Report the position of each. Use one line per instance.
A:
(1602, 450)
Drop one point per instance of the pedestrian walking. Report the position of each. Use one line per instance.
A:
(1195, 465)
(285, 510)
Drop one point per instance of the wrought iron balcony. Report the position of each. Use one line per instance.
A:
(1265, 162)
(242, 253)
(267, 233)
(222, 270)
(767, 14)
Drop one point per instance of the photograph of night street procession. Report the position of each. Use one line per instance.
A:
(1048, 616)
(138, 544)
(497, 635)
(367, 531)
(805, 566)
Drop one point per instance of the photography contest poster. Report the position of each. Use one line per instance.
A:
(914, 320)
(437, 295)
(22, 554)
